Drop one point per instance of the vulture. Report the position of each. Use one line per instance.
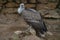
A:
(34, 19)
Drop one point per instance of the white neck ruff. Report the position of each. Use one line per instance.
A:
(20, 9)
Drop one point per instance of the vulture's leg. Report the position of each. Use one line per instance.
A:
(42, 26)
(36, 27)
(45, 29)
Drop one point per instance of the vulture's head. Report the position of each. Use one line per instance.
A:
(22, 5)
(21, 8)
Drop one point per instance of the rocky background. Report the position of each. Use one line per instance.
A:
(11, 21)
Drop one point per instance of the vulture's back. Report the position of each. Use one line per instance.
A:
(30, 15)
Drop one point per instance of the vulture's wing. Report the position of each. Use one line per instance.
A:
(34, 19)
(38, 18)
(31, 14)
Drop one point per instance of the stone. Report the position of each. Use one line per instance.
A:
(10, 0)
(0, 8)
(9, 10)
(11, 4)
(53, 1)
(31, 37)
(24, 1)
(17, 1)
(32, 1)
(3, 1)
(44, 11)
(58, 11)
(1, 4)
(42, 1)
(41, 6)
(51, 5)
(47, 13)
(30, 5)
(52, 14)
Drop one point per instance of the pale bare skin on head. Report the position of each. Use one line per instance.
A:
(22, 5)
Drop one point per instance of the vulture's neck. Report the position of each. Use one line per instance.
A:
(20, 9)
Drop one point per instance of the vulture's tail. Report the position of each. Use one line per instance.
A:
(39, 27)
